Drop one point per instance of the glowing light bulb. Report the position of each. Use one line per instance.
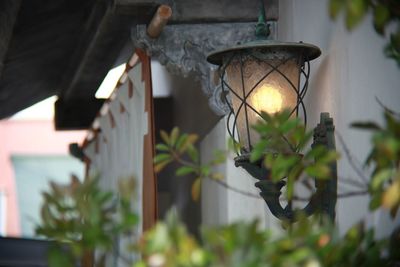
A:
(267, 99)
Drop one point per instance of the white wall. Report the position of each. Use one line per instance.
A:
(345, 80)
(161, 80)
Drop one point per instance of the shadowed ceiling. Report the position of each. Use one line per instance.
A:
(66, 47)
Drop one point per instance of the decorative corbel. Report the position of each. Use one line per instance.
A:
(183, 49)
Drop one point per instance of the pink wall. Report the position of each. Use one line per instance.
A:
(27, 138)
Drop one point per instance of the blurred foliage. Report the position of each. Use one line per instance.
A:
(310, 243)
(280, 132)
(168, 244)
(82, 218)
(384, 157)
(386, 18)
(180, 148)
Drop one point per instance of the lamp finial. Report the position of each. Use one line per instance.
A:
(262, 28)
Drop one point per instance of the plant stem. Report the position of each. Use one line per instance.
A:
(234, 189)
(350, 158)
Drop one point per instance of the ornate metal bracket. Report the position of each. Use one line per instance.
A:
(183, 49)
(323, 200)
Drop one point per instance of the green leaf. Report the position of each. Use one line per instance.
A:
(219, 157)
(217, 176)
(158, 167)
(280, 165)
(316, 152)
(162, 147)
(164, 137)
(181, 141)
(380, 177)
(356, 9)
(233, 145)
(205, 170)
(160, 238)
(391, 197)
(189, 141)
(58, 258)
(376, 201)
(174, 136)
(289, 125)
(130, 220)
(258, 150)
(335, 6)
(196, 187)
(290, 187)
(329, 157)
(162, 157)
(381, 18)
(392, 124)
(394, 210)
(318, 171)
(296, 171)
(392, 49)
(140, 264)
(184, 170)
(193, 153)
(303, 139)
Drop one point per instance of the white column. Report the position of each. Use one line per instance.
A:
(221, 205)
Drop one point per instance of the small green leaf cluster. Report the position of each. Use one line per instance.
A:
(384, 157)
(81, 217)
(174, 146)
(384, 13)
(180, 148)
(168, 244)
(282, 137)
(309, 243)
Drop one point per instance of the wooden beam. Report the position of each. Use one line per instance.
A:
(85, 45)
(43, 39)
(107, 33)
(8, 15)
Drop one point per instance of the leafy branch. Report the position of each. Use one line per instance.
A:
(82, 218)
(282, 155)
(309, 244)
(180, 148)
(384, 157)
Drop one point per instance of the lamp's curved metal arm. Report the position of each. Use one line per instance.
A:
(323, 200)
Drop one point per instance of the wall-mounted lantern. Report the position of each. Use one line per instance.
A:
(269, 76)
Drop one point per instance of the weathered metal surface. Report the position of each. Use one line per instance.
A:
(308, 51)
(183, 49)
(323, 200)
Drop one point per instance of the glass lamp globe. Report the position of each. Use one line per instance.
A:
(263, 76)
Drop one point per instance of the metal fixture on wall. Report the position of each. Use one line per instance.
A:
(270, 76)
